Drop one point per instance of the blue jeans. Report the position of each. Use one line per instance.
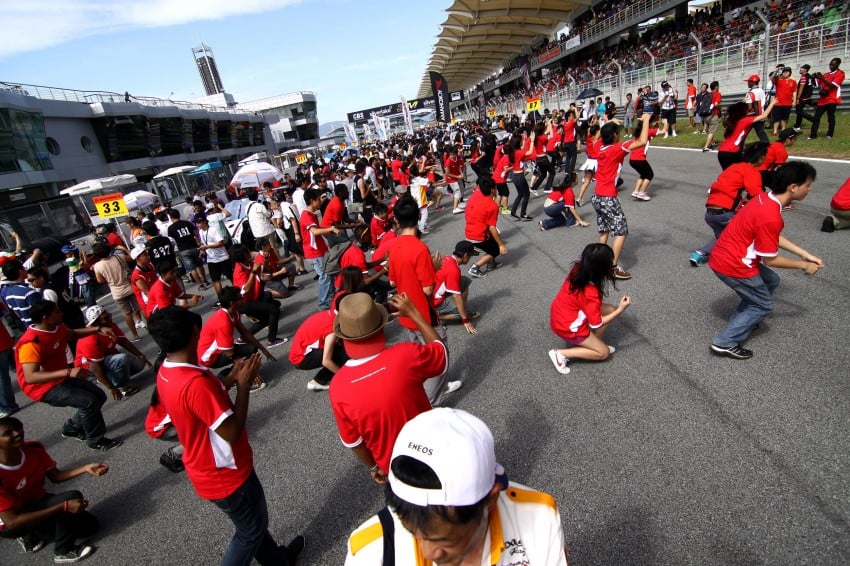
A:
(60, 528)
(87, 398)
(7, 394)
(717, 222)
(326, 288)
(558, 215)
(119, 368)
(756, 303)
(522, 194)
(246, 508)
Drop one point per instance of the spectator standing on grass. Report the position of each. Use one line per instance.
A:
(217, 456)
(691, 103)
(805, 89)
(830, 97)
(749, 246)
(786, 93)
(756, 100)
(712, 121)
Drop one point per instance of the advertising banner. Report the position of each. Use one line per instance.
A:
(440, 88)
(408, 121)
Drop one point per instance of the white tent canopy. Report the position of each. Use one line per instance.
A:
(93, 185)
(175, 171)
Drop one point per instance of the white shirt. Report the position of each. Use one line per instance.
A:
(298, 201)
(525, 529)
(260, 220)
(213, 235)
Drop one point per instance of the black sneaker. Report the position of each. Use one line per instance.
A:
(734, 352)
(74, 555)
(171, 461)
(30, 544)
(79, 435)
(294, 549)
(105, 444)
(828, 225)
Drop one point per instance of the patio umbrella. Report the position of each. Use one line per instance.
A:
(140, 199)
(255, 174)
(589, 93)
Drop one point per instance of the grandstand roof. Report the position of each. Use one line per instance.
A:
(478, 36)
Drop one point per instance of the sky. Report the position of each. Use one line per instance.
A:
(352, 54)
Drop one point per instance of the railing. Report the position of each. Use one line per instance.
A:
(727, 64)
(92, 97)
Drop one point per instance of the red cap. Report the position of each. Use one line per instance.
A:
(753, 79)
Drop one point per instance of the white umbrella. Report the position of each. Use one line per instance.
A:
(140, 199)
(255, 174)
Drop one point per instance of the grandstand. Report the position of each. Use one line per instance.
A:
(619, 47)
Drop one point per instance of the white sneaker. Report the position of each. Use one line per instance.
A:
(559, 361)
(457, 210)
(453, 386)
(675, 135)
(141, 324)
(665, 136)
(611, 349)
(314, 385)
(535, 194)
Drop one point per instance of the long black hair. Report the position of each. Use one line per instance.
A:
(595, 267)
(734, 113)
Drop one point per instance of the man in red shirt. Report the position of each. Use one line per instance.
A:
(786, 97)
(44, 375)
(450, 283)
(482, 214)
(412, 273)
(749, 246)
(830, 97)
(381, 388)
(316, 346)
(610, 218)
(217, 455)
(142, 277)
(98, 353)
(166, 291)
(257, 303)
(712, 121)
(454, 169)
(278, 279)
(315, 246)
(840, 208)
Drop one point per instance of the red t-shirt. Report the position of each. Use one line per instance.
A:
(448, 280)
(372, 398)
(241, 275)
(352, 257)
(149, 277)
(776, 155)
(640, 153)
(734, 142)
(752, 234)
(608, 167)
(481, 213)
(311, 335)
(24, 484)
(519, 157)
(570, 131)
(334, 212)
(162, 295)
(554, 140)
(314, 246)
(395, 165)
(540, 145)
(574, 313)
(380, 253)
(411, 269)
(267, 264)
(841, 198)
(198, 403)
(377, 229)
(785, 89)
(114, 239)
(95, 347)
(157, 421)
(216, 337)
(831, 82)
(46, 348)
(725, 192)
(565, 194)
(716, 99)
(500, 173)
(592, 148)
(453, 169)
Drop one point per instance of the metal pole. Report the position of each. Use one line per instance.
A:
(620, 79)
(652, 59)
(766, 41)
(699, 56)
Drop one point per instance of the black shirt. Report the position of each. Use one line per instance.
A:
(160, 250)
(183, 233)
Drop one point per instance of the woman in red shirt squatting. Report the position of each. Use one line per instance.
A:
(578, 314)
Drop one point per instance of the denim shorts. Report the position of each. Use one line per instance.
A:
(191, 259)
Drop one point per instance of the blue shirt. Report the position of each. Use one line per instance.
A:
(20, 298)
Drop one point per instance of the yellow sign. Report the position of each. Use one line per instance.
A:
(491, 112)
(109, 206)
(532, 104)
(301, 158)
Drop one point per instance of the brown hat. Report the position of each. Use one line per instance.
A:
(359, 317)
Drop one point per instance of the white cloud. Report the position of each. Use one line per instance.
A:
(33, 25)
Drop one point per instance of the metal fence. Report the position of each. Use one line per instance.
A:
(814, 45)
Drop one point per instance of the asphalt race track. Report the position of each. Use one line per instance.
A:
(664, 454)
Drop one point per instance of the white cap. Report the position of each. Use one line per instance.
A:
(93, 313)
(458, 447)
(137, 251)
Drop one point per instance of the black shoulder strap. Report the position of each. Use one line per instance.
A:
(389, 536)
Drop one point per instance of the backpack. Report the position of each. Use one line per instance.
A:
(330, 263)
(246, 236)
(704, 104)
